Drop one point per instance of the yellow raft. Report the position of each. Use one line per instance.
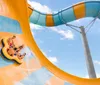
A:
(4, 52)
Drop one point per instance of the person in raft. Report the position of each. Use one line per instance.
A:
(11, 45)
(10, 51)
(13, 51)
(11, 41)
(21, 56)
(17, 52)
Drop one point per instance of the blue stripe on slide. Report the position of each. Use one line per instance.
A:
(42, 20)
(38, 77)
(67, 15)
(5, 62)
(66, 83)
(34, 17)
(57, 20)
(9, 25)
(92, 9)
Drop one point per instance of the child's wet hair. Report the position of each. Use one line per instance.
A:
(14, 36)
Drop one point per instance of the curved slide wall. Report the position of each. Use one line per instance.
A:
(36, 69)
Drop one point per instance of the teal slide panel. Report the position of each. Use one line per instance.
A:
(68, 15)
(35, 16)
(42, 20)
(57, 20)
(5, 62)
(38, 77)
(9, 25)
(92, 9)
(66, 83)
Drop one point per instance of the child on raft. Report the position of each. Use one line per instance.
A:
(12, 50)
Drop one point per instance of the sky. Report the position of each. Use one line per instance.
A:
(63, 45)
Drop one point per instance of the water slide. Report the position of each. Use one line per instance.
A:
(36, 69)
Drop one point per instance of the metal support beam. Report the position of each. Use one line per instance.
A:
(89, 62)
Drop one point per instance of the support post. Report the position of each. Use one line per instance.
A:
(89, 62)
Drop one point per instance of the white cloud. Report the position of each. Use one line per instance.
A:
(67, 34)
(78, 21)
(86, 76)
(43, 8)
(35, 27)
(97, 62)
(53, 59)
(40, 7)
(98, 75)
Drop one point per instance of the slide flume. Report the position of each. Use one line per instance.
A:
(38, 70)
(77, 11)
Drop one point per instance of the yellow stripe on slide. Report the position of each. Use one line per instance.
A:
(49, 20)
(79, 10)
